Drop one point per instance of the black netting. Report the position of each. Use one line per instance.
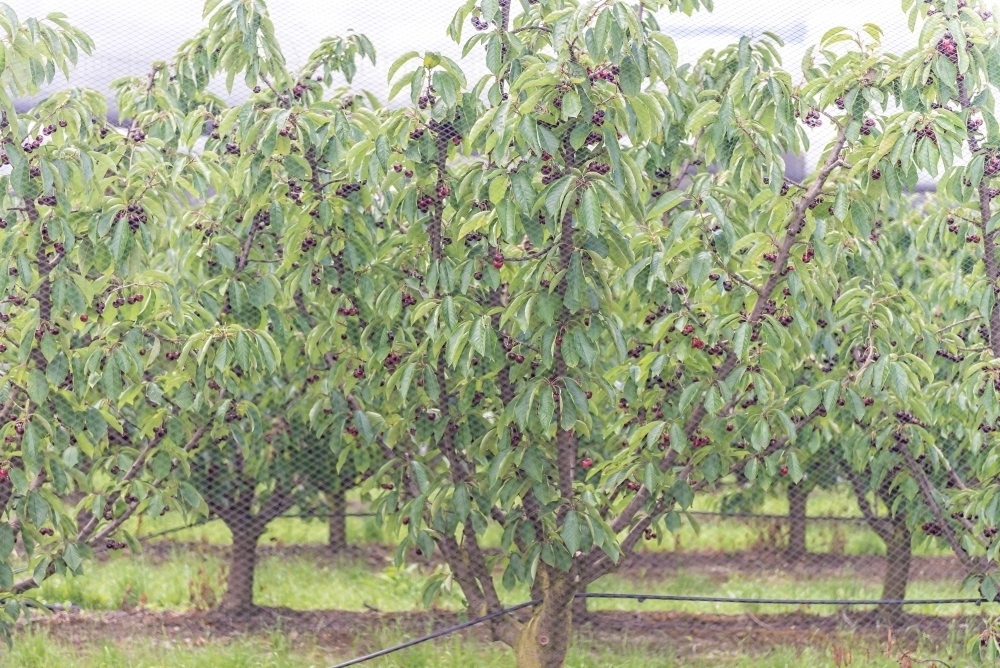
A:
(526, 332)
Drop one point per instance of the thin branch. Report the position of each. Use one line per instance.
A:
(526, 28)
(285, 102)
(531, 256)
(927, 491)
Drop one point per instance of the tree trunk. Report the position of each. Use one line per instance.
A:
(238, 599)
(897, 571)
(797, 497)
(337, 542)
(580, 615)
(544, 640)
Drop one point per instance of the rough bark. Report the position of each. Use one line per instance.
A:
(580, 614)
(897, 570)
(238, 599)
(797, 498)
(544, 640)
(337, 542)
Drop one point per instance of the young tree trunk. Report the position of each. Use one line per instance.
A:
(897, 570)
(238, 599)
(337, 542)
(797, 497)
(544, 640)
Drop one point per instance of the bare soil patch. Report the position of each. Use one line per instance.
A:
(347, 633)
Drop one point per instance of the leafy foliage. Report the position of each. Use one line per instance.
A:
(563, 299)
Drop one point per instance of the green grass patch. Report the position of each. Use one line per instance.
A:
(40, 650)
(188, 579)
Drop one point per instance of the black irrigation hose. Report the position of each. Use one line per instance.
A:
(642, 598)
(435, 635)
(697, 513)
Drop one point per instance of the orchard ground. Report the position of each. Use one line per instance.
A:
(151, 609)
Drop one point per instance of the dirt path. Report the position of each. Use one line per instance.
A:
(348, 633)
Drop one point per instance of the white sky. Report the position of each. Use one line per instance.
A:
(131, 33)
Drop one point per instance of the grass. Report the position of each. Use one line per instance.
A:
(188, 579)
(706, 534)
(40, 650)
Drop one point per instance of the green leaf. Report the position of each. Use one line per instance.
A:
(618, 246)
(121, 242)
(590, 211)
(6, 541)
(629, 76)
(477, 336)
(38, 386)
(364, 426)
(700, 266)
(571, 532)
(794, 467)
(761, 435)
(71, 555)
(460, 501)
(741, 341)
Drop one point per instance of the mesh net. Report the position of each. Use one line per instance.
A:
(535, 332)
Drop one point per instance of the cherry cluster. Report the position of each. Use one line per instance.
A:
(308, 243)
(425, 202)
(992, 165)
(136, 216)
(408, 173)
(951, 357)
(607, 73)
(908, 418)
(812, 119)
(867, 125)
(599, 167)
(932, 528)
(131, 299)
(294, 192)
(926, 131)
(30, 145)
(948, 47)
(699, 441)
(392, 360)
(347, 189)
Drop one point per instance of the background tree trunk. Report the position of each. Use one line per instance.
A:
(897, 570)
(797, 498)
(238, 599)
(337, 542)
